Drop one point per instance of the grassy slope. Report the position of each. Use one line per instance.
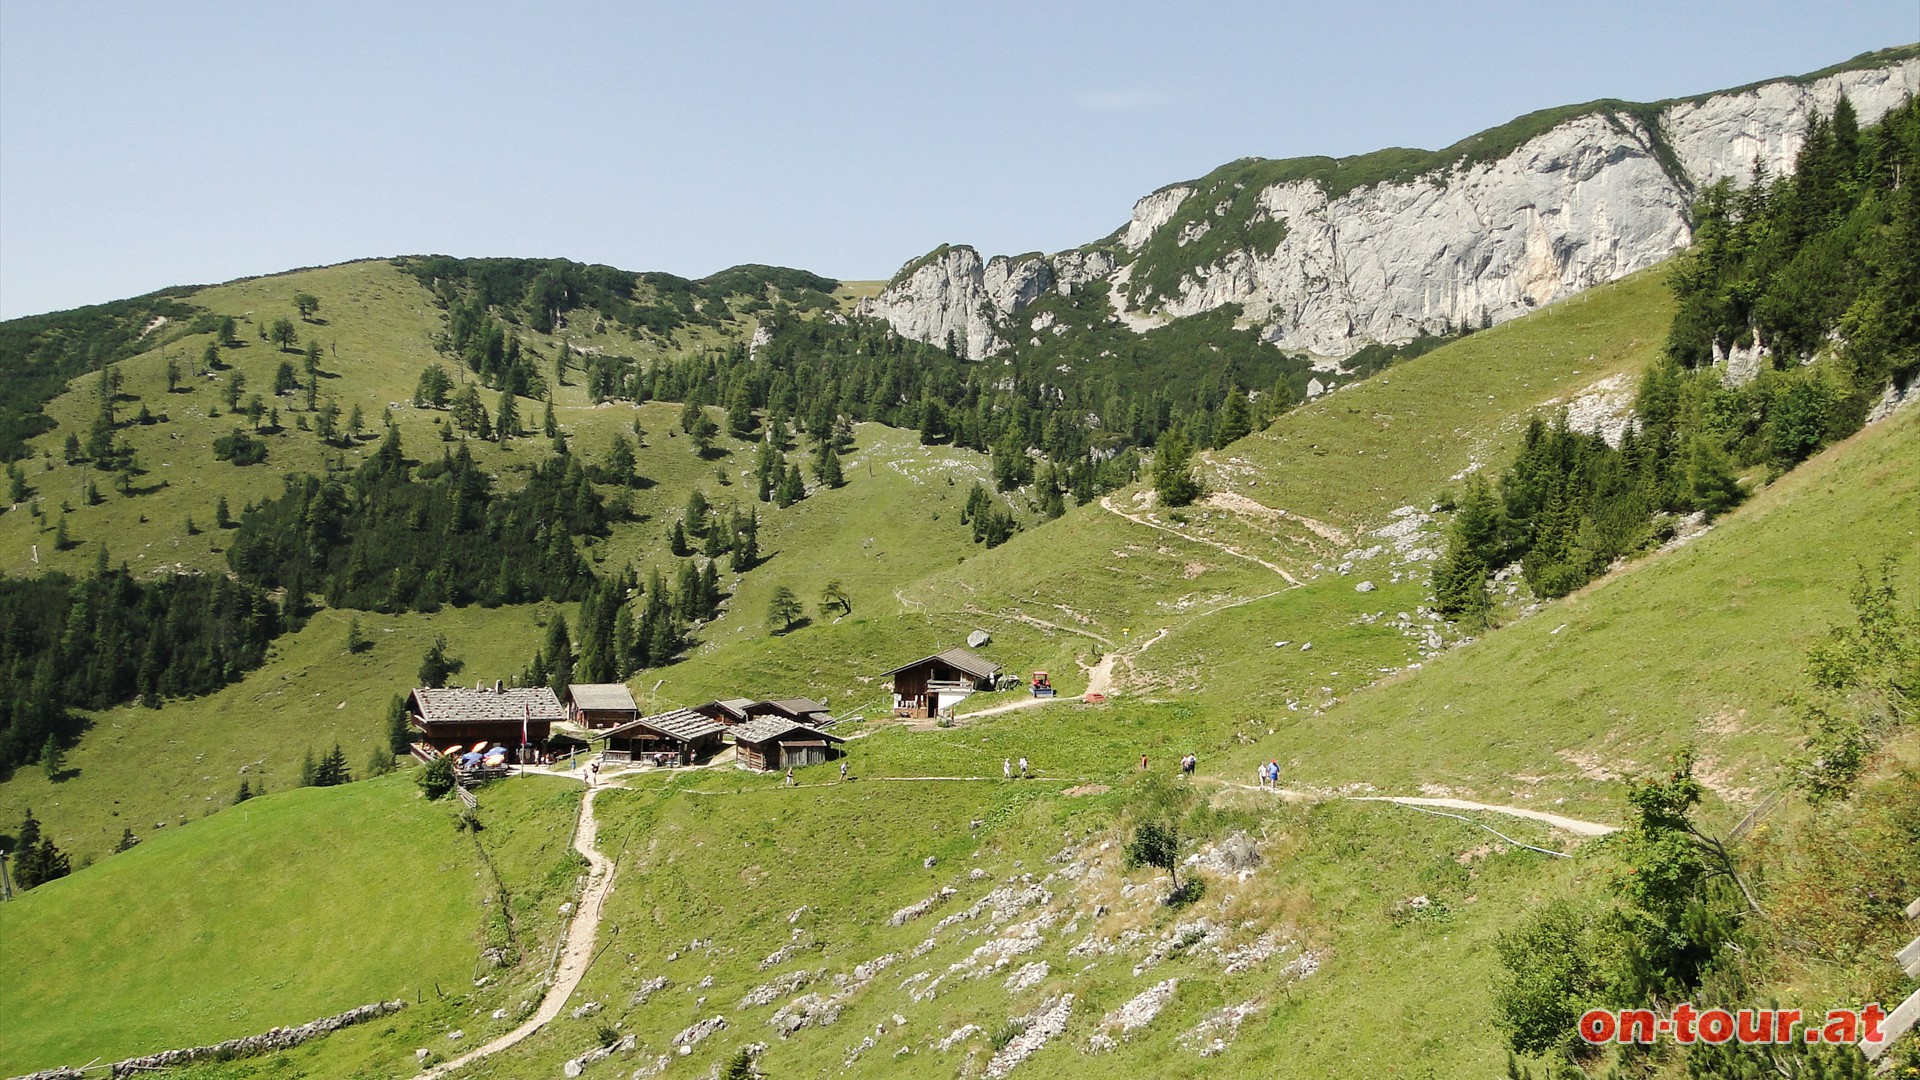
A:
(137, 767)
(735, 862)
(1349, 458)
(1700, 645)
(294, 906)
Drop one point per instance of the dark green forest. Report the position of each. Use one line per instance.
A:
(89, 644)
(401, 537)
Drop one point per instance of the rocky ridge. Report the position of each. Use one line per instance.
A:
(1597, 196)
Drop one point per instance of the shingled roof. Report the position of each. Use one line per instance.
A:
(604, 697)
(768, 728)
(797, 708)
(683, 724)
(459, 705)
(960, 659)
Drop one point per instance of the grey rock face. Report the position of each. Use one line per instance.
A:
(1589, 201)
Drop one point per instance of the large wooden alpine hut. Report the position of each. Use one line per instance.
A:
(453, 716)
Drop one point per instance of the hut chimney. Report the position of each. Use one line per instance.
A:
(498, 686)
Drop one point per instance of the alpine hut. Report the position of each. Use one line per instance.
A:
(601, 705)
(680, 737)
(921, 689)
(517, 718)
(775, 742)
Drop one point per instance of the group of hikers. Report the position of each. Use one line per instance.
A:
(1270, 774)
(1006, 769)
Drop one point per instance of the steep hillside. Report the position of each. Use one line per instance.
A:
(211, 930)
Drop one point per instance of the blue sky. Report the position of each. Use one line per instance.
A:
(145, 145)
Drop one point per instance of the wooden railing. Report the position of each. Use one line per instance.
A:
(1905, 1016)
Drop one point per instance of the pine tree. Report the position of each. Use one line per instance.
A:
(783, 610)
(50, 759)
(435, 667)
(309, 769)
(559, 653)
(245, 793)
(399, 725)
(506, 419)
(1173, 477)
(127, 841)
(828, 472)
(746, 549)
(710, 591)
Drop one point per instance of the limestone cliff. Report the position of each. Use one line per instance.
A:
(1328, 255)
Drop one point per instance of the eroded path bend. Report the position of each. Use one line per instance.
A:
(576, 954)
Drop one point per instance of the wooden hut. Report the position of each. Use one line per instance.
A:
(681, 737)
(455, 716)
(597, 706)
(804, 710)
(729, 711)
(921, 689)
(775, 743)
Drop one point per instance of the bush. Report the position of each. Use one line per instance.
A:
(436, 780)
(1550, 978)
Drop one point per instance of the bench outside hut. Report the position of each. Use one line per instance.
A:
(773, 743)
(518, 718)
(597, 706)
(680, 737)
(928, 685)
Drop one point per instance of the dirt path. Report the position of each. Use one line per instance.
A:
(1572, 825)
(575, 955)
(1558, 821)
(1240, 504)
(1106, 503)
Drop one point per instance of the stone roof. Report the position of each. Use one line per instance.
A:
(795, 707)
(960, 659)
(459, 705)
(683, 724)
(605, 697)
(772, 728)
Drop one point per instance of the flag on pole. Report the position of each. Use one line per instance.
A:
(526, 717)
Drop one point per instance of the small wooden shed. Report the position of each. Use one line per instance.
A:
(680, 737)
(601, 705)
(921, 689)
(774, 743)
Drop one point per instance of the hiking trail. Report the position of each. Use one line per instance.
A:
(575, 957)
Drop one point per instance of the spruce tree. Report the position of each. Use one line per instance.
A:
(559, 654)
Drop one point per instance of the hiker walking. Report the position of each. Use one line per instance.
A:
(1023, 768)
(789, 776)
(1143, 763)
(1006, 769)
(843, 770)
(1187, 763)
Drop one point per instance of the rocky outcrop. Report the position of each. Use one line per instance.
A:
(1596, 197)
(954, 293)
